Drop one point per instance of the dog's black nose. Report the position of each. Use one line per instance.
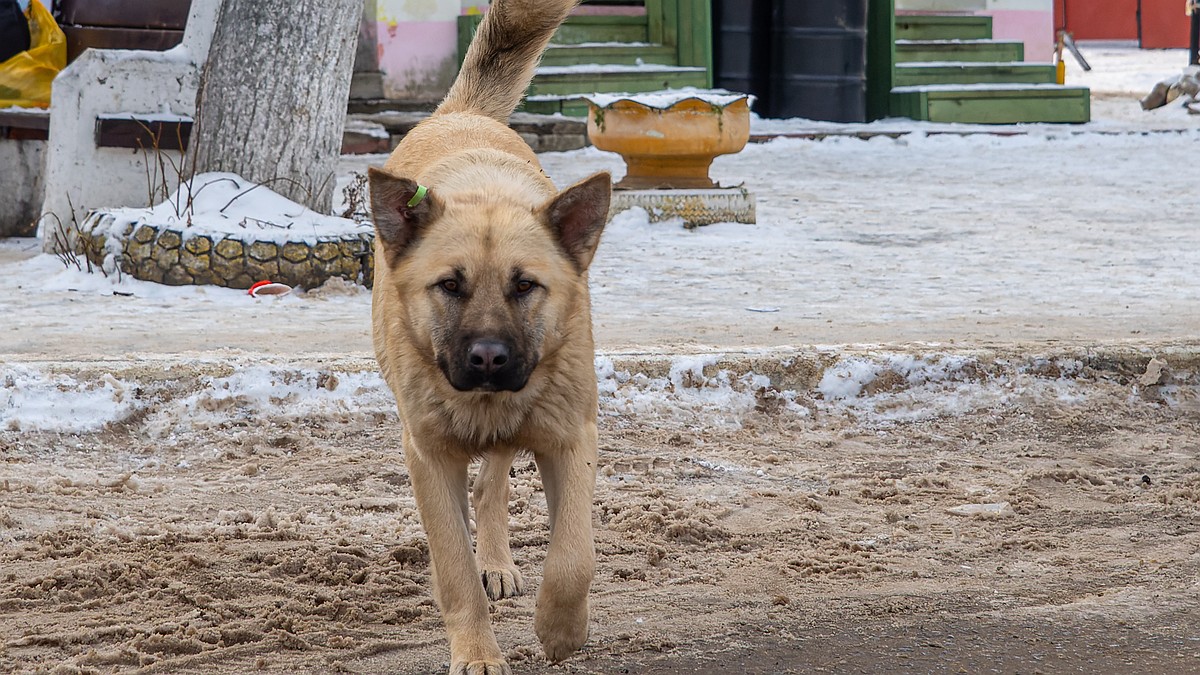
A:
(488, 356)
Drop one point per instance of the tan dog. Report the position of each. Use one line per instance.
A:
(482, 328)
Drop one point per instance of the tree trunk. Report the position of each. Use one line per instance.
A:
(272, 100)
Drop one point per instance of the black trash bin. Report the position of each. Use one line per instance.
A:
(14, 30)
(742, 47)
(800, 58)
(819, 60)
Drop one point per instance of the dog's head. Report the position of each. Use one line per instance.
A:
(489, 285)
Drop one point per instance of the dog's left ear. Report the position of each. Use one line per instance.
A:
(577, 217)
(401, 209)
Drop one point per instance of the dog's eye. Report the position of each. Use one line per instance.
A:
(449, 285)
(524, 286)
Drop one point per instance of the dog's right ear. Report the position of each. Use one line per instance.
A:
(401, 209)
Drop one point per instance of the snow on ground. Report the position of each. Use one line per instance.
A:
(873, 387)
(1122, 68)
(223, 204)
(1050, 237)
(1121, 74)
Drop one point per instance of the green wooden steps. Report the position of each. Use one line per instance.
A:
(587, 79)
(580, 29)
(608, 52)
(942, 72)
(938, 27)
(994, 104)
(667, 46)
(959, 50)
(949, 69)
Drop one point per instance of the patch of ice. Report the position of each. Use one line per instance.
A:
(891, 388)
(996, 509)
(31, 400)
(689, 395)
(261, 392)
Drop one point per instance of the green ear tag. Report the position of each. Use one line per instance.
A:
(420, 195)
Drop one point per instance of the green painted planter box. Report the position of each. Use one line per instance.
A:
(908, 51)
(935, 27)
(919, 73)
(993, 104)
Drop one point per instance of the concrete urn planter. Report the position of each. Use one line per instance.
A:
(669, 139)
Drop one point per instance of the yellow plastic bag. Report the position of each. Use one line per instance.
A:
(25, 78)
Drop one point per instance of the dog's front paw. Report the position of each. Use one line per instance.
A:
(502, 581)
(562, 630)
(485, 667)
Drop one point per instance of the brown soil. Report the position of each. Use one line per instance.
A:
(792, 544)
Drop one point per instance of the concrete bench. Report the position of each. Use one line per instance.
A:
(24, 133)
(107, 103)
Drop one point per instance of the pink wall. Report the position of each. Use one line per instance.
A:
(1034, 28)
(418, 58)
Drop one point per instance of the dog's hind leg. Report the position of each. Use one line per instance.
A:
(501, 578)
(569, 478)
(439, 479)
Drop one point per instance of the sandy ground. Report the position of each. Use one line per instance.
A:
(782, 538)
(1032, 511)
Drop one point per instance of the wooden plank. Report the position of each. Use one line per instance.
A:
(20, 134)
(583, 29)
(573, 107)
(654, 21)
(881, 57)
(80, 38)
(696, 21)
(166, 14)
(29, 118)
(143, 134)
(911, 74)
(1007, 105)
(467, 25)
(576, 30)
(1009, 110)
(943, 27)
(670, 13)
(908, 51)
(617, 81)
(568, 55)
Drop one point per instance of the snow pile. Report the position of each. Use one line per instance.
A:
(661, 100)
(707, 391)
(226, 205)
(37, 401)
(848, 378)
(260, 393)
(694, 392)
(890, 388)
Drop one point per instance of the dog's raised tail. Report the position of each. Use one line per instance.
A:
(503, 55)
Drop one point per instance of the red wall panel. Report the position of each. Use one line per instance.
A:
(1163, 22)
(1099, 19)
(1164, 25)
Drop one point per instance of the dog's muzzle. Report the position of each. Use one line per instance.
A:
(487, 364)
